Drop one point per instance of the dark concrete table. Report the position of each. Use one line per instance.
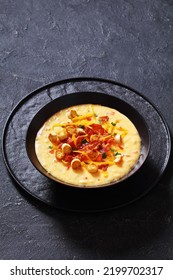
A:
(124, 40)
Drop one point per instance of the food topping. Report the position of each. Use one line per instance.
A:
(88, 141)
(75, 163)
(66, 148)
(92, 168)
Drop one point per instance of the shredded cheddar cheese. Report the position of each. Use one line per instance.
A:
(79, 118)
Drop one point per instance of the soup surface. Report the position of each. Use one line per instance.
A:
(88, 145)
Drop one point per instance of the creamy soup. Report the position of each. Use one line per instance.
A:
(88, 145)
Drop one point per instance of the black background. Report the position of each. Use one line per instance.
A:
(126, 41)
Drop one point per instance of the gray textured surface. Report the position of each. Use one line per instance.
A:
(128, 41)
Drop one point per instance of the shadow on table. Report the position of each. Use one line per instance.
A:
(124, 233)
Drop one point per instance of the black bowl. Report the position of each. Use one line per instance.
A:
(87, 98)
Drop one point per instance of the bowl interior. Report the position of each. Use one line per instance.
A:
(86, 98)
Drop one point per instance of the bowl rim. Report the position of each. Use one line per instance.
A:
(44, 172)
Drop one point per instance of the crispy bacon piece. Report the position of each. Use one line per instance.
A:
(79, 140)
(103, 167)
(98, 129)
(89, 131)
(104, 119)
(70, 142)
